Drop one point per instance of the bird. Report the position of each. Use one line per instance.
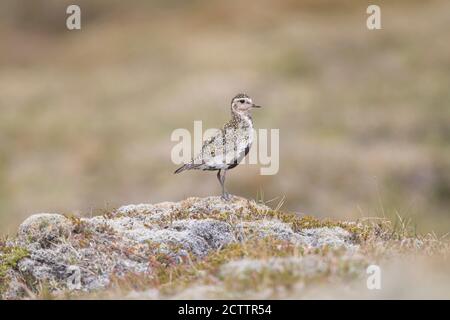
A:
(226, 149)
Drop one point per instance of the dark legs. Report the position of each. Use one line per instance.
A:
(221, 177)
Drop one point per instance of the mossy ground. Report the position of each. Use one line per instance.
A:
(9, 257)
(170, 277)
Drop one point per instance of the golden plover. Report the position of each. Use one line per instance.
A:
(226, 149)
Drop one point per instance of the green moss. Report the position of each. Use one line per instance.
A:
(9, 257)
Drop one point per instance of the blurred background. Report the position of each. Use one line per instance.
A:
(364, 116)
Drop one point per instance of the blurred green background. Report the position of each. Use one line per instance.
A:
(364, 116)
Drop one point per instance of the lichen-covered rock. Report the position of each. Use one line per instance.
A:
(215, 233)
(329, 236)
(45, 229)
(86, 254)
(267, 228)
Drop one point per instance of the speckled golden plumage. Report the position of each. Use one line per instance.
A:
(226, 149)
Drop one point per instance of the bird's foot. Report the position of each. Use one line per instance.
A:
(226, 196)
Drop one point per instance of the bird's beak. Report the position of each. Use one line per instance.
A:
(255, 106)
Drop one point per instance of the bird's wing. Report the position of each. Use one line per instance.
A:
(211, 148)
(222, 149)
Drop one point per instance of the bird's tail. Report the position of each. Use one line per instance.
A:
(183, 167)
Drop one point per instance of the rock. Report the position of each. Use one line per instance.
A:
(334, 237)
(216, 233)
(45, 229)
(86, 254)
(266, 228)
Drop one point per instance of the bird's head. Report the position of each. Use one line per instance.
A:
(242, 103)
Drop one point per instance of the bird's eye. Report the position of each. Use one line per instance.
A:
(242, 101)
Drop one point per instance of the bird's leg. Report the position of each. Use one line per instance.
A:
(221, 177)
(218, 178)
